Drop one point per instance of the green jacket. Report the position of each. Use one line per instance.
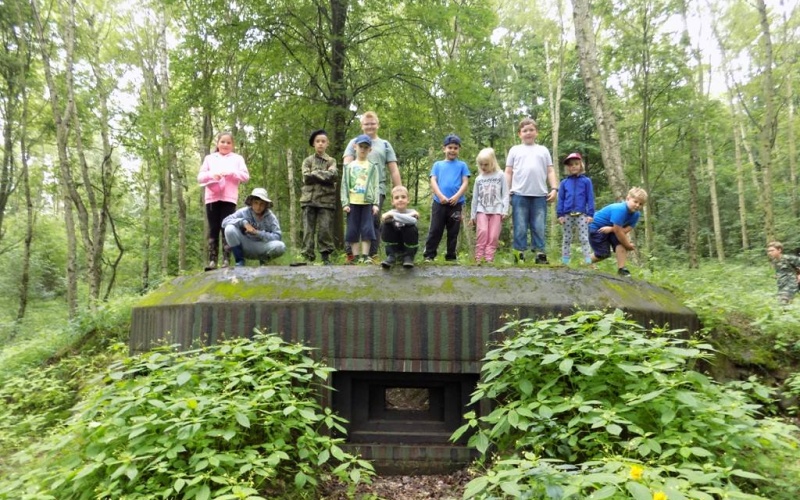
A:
(319, 182)
(372, 193)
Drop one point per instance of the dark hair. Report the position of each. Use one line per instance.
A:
(314, 135)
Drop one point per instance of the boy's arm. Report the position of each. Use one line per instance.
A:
(622, 235)
(552, 181)
(509, 176)
(394, 173)
(438, 192)
(461, 190)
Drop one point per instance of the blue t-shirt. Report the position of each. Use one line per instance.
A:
(448, 176)
(616, 213)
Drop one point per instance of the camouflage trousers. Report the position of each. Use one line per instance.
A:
(317, 225)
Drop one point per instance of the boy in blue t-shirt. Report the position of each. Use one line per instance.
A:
(611, 225)
(449, 181)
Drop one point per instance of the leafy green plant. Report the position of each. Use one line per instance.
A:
(594, 406)
(236, 420)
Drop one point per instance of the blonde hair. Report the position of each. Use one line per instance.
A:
(370, 114)
(399, 189)
(525, 122)
(638, 193)
(777, 245)
(582, 170)
(487, 154)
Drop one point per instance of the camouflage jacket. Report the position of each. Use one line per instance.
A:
(786, 270)
(319, 182)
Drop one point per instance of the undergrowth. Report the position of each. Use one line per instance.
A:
(240, 419)
(594, 406)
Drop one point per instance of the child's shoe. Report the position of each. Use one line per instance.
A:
(519, 256)
(565, 261)
(623, 272)
(389, 261)
(541, 258)
(349, 259)
(408, 261)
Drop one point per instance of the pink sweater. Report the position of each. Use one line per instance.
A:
(233, 171)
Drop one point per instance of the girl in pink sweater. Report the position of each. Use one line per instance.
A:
(221, 173)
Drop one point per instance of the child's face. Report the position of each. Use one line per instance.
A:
(320, 144)
(400, 200)
(528, 134)
(362, 150)
(225, 144)
(258, 206)
(369, 126)
(451, 151)
(574, 167)
(634, 204)
(485, 166)
(773, 253)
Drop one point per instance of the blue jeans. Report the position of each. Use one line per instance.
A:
(529, 213)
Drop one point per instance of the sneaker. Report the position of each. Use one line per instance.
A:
(428, 259)
(565, 261)
(240, 263)
(364, 260)
(388, 262)
(374, 259)
(623, 272)
(541, 258)
(408, 262)
(349, 258)
(211, 266)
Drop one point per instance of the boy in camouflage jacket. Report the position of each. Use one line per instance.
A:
(787, 271)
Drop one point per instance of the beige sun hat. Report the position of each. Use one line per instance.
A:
(259, 193)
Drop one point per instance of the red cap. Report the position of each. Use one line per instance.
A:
(573, 156)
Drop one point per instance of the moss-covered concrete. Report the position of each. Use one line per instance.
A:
(560, 287)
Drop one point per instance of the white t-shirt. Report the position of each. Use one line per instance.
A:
(529, 165)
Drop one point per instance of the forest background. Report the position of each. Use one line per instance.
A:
(109, 107)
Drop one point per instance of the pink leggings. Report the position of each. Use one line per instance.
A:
(488, 229)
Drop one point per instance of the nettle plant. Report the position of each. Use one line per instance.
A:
(240, 419)
(596, 406)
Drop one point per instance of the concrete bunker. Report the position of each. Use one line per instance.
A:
(407, 346)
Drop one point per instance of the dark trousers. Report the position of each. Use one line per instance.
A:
(375, 244)
(400, 239)
(317, 223)
(443, 217)
(215, 214)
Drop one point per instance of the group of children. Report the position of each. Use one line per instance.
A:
(522, 189)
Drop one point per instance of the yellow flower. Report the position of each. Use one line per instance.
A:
(659, 495)
(636, 472)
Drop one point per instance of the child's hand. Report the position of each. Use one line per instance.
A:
(346, 209)
(374, 210)
(606, 229)
(561, 220)
(589, 219)
(472, 222)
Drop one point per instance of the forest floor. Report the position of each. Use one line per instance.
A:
(439, 487)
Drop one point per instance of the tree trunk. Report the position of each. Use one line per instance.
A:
(603, 115)
(61, 117)
(769, 125)
(147, 185)
(25, 275)
(712, 187)
(166, 183)
(339, 101)
(691, 178)
(292, 200)
(740, 187)
(791, 145)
